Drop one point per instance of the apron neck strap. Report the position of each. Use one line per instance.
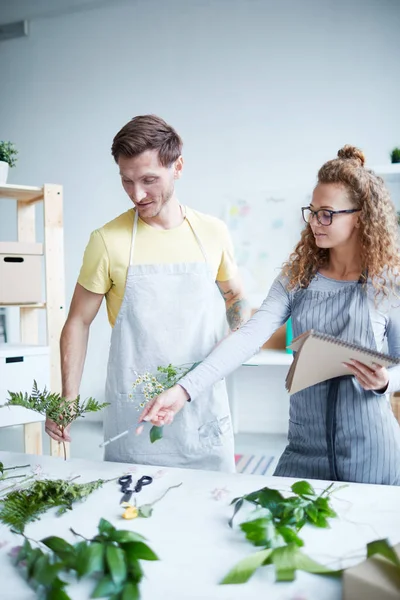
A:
(184, 214)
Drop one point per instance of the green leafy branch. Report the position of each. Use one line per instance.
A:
(53, 406)
(276, 530)
(20, 507)
(111, 557)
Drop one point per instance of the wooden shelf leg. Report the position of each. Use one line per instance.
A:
(33, 438)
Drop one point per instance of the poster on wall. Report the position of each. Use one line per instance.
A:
(265, 227)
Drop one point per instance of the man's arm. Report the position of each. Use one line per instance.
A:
(74, 340)
(237, 308)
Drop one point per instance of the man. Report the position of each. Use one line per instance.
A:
(157, 265)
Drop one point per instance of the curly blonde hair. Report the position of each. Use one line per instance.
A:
(378, 233)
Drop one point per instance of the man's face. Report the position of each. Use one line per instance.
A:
(147, 182)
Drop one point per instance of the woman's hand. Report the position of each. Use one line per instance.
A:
(374, 378)
(162, 409)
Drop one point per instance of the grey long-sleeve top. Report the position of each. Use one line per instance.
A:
(274, 312)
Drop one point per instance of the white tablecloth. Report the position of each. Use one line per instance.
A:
(189, 531)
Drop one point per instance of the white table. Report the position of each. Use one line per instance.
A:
(189, 532)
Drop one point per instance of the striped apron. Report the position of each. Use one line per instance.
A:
(337, 430)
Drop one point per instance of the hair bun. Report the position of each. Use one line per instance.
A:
(352, 153)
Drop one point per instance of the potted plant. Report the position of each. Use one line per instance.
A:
(395, 155)
(8, 158)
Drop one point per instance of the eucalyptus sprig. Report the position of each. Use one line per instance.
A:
(21, 506)
(276, 528)
(53, 406)
(112, 558)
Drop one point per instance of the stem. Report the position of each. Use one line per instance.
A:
(165, 493)
(14, 484)
(63, 443)
(18, 467)
(11, 477)
(79, 534)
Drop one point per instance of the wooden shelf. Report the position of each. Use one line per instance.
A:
(23, 193)
(36, 305)
(53, 251)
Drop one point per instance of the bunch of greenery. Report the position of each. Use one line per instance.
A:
(276, 528)
(150, 385)
(111, 557)
(395, 155)
(53, 406)
(21, 506)
(8, 153)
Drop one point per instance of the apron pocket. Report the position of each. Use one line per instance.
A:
(213, 432)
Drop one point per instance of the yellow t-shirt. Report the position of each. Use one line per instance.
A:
(106, 258)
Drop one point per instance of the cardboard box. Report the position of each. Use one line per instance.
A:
(20, 273)
(373, 579)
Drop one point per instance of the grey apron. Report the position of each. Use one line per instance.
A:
(167, 316)
(337, 430)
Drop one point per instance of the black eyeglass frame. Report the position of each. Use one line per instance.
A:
(326, 210)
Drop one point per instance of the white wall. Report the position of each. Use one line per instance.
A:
(261, 91)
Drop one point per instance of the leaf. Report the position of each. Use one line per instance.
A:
(123, 536)
(290, 536)
(58, 545)
(91, 559)
(116, 561)
(312, 513)
(156, 433)
(303, 488)
(383, 548)
(238, 506)
(105, 587)
(284, 559)
(135, 570)
(259, 531)
(44, 572)
(139, 551)
(305, 563)
(244, 569)
(57, 594)
(105, 527)
(145, 511)
(130, 591)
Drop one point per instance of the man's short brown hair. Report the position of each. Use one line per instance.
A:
(147, 132)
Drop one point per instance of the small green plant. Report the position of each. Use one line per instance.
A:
(8, 153)
(395, 155)
(53, 406)
(275, 529)
(111, 559)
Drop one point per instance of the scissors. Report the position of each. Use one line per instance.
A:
(125, 482)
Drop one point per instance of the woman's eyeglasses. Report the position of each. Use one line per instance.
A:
(324, 216)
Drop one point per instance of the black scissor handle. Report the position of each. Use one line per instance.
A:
(125, 481)
(145, 480)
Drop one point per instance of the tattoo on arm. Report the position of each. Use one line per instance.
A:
(228, 295)
(237, 314)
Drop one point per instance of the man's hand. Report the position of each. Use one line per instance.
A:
(375, 378)
(162, 410)
(54, 431)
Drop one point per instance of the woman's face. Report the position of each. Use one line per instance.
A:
(344, 226)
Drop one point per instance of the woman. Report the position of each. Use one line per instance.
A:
(340, 280)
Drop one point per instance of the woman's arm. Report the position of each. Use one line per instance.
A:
(225, 358)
